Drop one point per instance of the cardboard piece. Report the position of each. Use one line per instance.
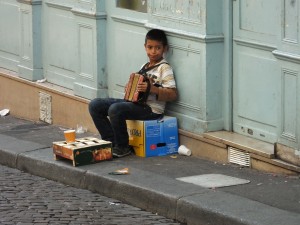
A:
(83, 151)
(153, 137)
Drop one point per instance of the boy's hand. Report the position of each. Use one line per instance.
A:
(142, 87)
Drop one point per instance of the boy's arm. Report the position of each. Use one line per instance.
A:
(164, 94)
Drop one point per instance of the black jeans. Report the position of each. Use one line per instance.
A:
(110, 115)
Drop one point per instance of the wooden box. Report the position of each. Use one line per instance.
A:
(83, 151)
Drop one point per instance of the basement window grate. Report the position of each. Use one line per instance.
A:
(238, 156)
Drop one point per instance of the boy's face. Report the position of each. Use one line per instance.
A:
(154, 50)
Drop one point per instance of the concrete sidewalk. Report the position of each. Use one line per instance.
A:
(152, 184)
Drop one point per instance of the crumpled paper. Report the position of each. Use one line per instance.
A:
(4, 112)
(120, 172)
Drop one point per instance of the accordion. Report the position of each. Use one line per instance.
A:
(131, 93)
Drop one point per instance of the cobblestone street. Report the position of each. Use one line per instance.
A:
(27, 199)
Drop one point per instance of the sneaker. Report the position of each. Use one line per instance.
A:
(119, 151)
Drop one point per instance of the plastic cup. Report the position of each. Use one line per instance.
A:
(182, 150)
(70, 136)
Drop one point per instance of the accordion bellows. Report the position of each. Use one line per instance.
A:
(131, 93)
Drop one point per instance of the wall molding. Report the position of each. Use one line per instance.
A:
(189, 14)
(253, 44)
(176, 19)
(128, 20)
(288, 113)
(59, 6)
(193, 50)
(286, 56)
(189, 107)
(30, 2)
(89, 14)
(203, 38)
(289, 137)
(79, 11)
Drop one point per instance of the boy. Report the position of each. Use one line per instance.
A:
(162, 89)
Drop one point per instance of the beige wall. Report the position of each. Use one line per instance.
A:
(21, 97)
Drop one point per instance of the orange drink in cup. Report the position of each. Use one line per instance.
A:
(70, 136)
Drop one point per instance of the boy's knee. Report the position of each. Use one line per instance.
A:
(96, 105)
(114, 110)
(91, 105)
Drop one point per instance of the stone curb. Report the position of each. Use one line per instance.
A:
(168, 197)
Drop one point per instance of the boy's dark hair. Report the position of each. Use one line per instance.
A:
(157, 35)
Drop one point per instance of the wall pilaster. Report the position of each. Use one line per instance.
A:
(91, 77)
(30, 63)
(195, 32)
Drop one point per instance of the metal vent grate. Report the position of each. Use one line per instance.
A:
(238, 157)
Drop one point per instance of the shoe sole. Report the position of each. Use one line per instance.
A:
(120, 156)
